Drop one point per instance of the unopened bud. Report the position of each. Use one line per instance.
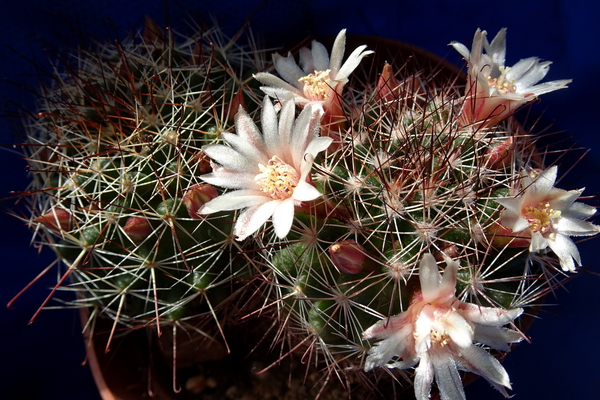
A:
(202, 163)
(236, 102)
(196, 197)
(500, 156)
(57, 219)
(348, 256)
(137, 228)
(504, 237)
(387, 85)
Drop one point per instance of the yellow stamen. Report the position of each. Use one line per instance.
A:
(501, 84)
(440, 339)
(316, 85)
(277, 179)
(540, 217)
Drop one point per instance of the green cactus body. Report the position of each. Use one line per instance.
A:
(117, 148)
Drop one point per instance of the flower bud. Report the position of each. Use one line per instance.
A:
(57, 219)
(236, 102)
(387, 85)
(196, 197)
(137, 228)
(202, 163)
(500, 156)
(505, 237)
(348, 256)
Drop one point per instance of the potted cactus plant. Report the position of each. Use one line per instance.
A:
(368, 226)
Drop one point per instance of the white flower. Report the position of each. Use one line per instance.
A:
(495, 91)
(319, 78)
(549, 216)
(438, 332)
(268, 171)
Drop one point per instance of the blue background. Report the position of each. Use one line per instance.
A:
(43, 360)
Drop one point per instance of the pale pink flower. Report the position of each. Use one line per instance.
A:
(548, 216)
(269, 172)
(319, 78)
(438, 332)
(494, 91)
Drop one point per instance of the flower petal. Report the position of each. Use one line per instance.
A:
(495, 337)
(482, 363)
(250, 152)
(563, 199)
(230, 179)
(497, 48)
(281, 94)
(423, 378)
(270, 127)
(304, 131)
(575, 227)
(542, 186)
(318, 145)
(320, 57)
(283, 217)
(226, 157)
(272, 80)
(287, 68)
(306, 60)
(566, 251)
(253, 218)
(286, 123)
(234, 201)
(458, 329)
(429, 277)
(492, 316)
(305, 192)
(518, 73)
(351, 63)
(579, 210)
(447, 377)
(448, 283)
(547, 87)
(337, 52)
(247, 130)
(533, 75)
(519, 225)
(538, 242)
(395, 345)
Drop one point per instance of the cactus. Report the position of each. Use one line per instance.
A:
(117, 151)
(158, 210)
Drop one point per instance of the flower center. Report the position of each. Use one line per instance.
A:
(540, 217)
(316, 85)
(501, 84)
(439, 339)
(277, 179)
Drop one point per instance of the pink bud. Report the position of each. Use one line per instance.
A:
(57, 219)
(196, 197)
(348, 256)
(505, 237)
(387, 85)
(500, 156)
(137, 228)
(234, 105)
(202, 163)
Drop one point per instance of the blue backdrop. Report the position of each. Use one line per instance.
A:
(43, 360)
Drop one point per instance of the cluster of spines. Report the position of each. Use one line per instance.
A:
(115, 153)
(407, 180)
